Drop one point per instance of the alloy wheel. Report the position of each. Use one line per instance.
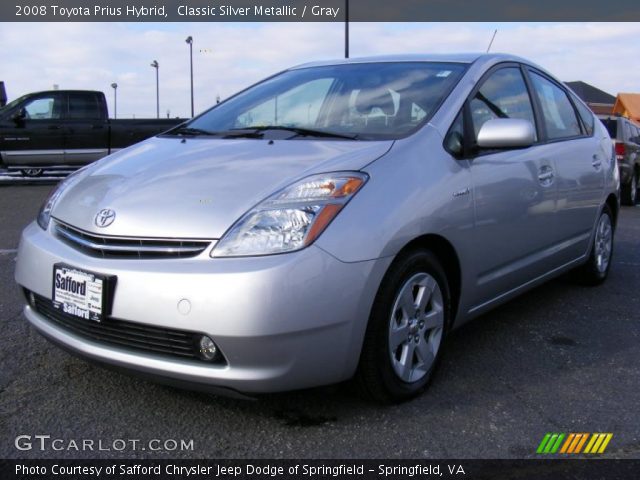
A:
(415, 327)
(603, 243)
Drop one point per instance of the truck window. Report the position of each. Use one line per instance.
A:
(84, 106)
(43, 108)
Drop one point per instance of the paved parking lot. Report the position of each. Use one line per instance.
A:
(561, 358)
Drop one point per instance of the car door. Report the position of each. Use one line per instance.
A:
(34, 137)
(579, 162)
(86, 129)
(514, 193)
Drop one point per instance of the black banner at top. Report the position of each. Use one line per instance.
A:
(317, 10)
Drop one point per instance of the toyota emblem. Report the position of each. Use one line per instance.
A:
(105, 217)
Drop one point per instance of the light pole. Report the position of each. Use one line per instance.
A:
(346, 29)
(156, 65)
(189, 40)
(115, 99)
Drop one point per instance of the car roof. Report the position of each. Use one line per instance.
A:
(447, 57)
(63, 91)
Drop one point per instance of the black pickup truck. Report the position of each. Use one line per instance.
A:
(66, 129)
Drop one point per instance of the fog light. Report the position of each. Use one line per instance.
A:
(206, 348)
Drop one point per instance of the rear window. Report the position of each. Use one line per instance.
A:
(585, 115)
(84, 106)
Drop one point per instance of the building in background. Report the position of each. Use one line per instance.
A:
(599, 101)
(628, 105)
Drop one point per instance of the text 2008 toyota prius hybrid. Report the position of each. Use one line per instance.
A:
(337, 219)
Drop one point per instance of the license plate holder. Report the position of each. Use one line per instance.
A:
(81, 293)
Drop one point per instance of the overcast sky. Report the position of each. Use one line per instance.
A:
(229, 57)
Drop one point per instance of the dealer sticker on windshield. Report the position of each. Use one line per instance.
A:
(78, 293)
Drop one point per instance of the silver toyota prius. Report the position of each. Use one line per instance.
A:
(335, 220)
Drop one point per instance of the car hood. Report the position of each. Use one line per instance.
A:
(198, 187)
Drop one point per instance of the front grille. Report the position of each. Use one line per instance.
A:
(122, 247)
(131, 335)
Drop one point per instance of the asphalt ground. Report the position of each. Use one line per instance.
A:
(561, 358)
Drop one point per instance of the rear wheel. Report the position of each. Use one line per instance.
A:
(630, 191)
(32, 172)
(406, 329)
(596, 270)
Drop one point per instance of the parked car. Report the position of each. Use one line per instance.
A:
(626, 138)
(66, 129)
(336, 219)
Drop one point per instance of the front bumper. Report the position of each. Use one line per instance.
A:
(282, 322)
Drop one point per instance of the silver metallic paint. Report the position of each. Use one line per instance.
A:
(297, 320)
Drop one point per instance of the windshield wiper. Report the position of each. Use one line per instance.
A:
(299, 131)
(191, 131)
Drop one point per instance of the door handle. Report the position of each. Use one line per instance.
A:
(546, 175)
(54, 127)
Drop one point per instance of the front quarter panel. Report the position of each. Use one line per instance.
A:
(416, 189)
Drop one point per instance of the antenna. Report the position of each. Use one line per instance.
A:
(492, 39)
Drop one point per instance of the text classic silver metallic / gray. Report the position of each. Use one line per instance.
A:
(337, 219)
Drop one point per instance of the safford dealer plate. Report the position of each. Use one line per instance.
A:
(79, 293)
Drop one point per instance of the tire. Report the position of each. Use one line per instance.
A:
(630, 191)
(406, 329)
(32, 172)
(596, 269)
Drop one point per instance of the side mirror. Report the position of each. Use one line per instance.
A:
(506, 133)
(19, 116)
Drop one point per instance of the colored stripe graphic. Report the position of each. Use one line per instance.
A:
(573, 443)
(568, 442)
(594, 437)
(581, 443)
(599, 443)
(543, 443)
(550, 443)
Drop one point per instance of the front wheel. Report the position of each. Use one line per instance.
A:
(406, 329)
(596, 270)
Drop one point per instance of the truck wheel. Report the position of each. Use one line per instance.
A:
(32, 172)
(406, 329)
(596, 270)
(630, 191)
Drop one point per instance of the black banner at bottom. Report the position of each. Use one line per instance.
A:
(556, 469)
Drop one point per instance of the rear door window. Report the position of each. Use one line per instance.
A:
(84, 107)
(560, 117)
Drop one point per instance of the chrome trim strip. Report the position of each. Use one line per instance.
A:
(84, 151)
(22, 153)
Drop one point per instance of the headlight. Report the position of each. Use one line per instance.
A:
(292, 218)
(45, 212)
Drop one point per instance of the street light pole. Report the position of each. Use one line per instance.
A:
(115, 99)
(346, 28)
(189, 40)
(156, 65)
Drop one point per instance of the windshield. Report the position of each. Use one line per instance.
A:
(363, 101)
(13, 103)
